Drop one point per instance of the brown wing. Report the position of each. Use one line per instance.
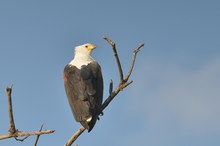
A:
(84, 89)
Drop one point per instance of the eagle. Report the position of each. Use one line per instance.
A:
(83, 84)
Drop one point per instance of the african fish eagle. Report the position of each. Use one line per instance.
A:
(84, 86)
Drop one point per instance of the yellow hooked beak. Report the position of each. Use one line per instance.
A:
(90, 47)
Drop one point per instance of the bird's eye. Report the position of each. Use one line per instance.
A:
(86, 46)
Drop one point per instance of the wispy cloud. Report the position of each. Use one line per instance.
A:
(168, 96)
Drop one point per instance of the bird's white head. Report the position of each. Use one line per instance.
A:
(83, 55)
(85, 49)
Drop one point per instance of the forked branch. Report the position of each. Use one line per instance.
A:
(116, 57)
(25, 134)
(112, 94)
(13, 132)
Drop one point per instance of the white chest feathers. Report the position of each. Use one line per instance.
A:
(81, 59)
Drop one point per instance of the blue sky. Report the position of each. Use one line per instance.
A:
(174, 99)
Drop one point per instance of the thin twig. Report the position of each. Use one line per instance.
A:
(21, 139)
(110, 87)
(116, 57)
(38, 136)
(75, 136)
(22, 134)
(10, 111)
(132, 62)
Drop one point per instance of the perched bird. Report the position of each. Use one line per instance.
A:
(84, 86)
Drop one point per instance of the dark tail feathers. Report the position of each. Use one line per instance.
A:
(89, 125)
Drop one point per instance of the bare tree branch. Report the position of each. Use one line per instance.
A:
(110, 87)
(14, 132)
(75, 136)
(112, 94)
(132, 62)
(22, 134)
(116, 57)
(38, 136)
(10, 111)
